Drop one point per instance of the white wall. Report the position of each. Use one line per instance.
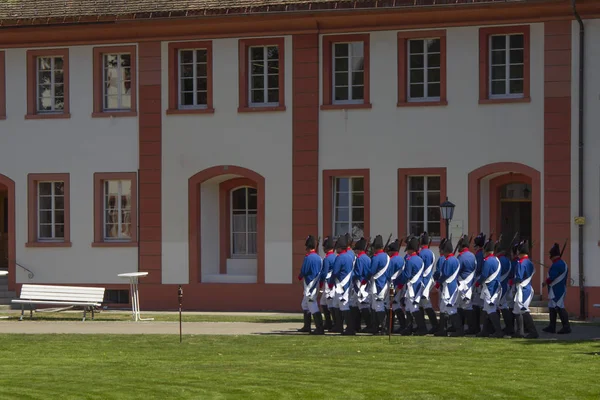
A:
(79, 146)
(592, 147)
(461, 136)
(261, 142)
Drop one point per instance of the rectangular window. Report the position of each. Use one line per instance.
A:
(264, 75)
(115, 81)
(244, 211)
(424, 205)
(349, 72)
(116, 78)
(117, 210)
(506, 65)
(48, 210)
(51, 211)
(424, 69)
(193, 78)
(349, 206)
(2, 86)
(50, 84)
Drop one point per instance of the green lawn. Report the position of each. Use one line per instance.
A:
(294, 367)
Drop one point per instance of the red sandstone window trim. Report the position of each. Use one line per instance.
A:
(99, 53)
(32, 83)
(403, 84)
(403, 175)
(328, 177)
(99, 179)
(174, 107)
(2, 86)
(32, 209)
(484, 63)
(328, 42)
(244, 73)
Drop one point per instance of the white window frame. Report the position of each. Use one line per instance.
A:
(507, 66)
(119, 210)
(120, 74)
(425, 54)
(247, 233)
(351, 191)
(53, 71)
(425, 204)
(265, 75)
(350, 71)
(195, 90)
(52, 210)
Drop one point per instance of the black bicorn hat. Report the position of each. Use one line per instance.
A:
(447, 246)
(342, 242)
(463, 242)
(412, 244)
(378, 242)
(442, 243)
(555, 250)
(479, 240)
(328, 243)
(489, 246)
(361, 245)
(394, 246)
(524, 247)
(424, 239)
(311, 242)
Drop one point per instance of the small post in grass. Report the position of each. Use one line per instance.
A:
(180, 297)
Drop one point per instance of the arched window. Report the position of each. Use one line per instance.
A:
(243, 222)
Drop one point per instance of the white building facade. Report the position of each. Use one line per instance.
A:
(205, 151)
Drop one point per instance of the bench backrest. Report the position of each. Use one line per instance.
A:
(62, 293)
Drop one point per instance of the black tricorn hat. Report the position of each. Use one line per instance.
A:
(447, 246)
(342, 243)
(348, 239)
(394, 246)
(412, 244)
(524, 247)
(479, 240)
(361, 245)
(442, 243)
(378, 242)
(311, 242)
(489, 246)
(555, 250)
(425, 239)
(328, 243)
(463, 242)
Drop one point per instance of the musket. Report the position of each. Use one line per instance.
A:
(564, 247)
(368, 245)
(387, 243)
(318, 241)
(458, 243)
(497, 243)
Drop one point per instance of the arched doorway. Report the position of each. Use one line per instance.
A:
(511, 207)
(7, 229)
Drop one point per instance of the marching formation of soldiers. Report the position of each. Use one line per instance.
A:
(372, 288)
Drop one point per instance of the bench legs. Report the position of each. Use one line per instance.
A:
(23, 311)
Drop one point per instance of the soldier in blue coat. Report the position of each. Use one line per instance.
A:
(491, 291)
(448, 282)
(327, 295)
(524, 294)
(311, 273)
(476, 301)
(557, 290)
(466, 284)
(341, 280)
(362, 267)
(429, 259)
(505, 298)
(379, 283)
(396, 267)
(436, 276)
(412, 277)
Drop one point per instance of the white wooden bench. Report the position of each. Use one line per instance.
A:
(87, 297)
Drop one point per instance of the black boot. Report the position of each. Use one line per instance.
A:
(457, 323)
(409, 329)
(432, 320)
(551, 328)
(477, 311)
(350, 324)
(320, 330)
(485, 332)
(564, 319)
(355, 318)
(463, 318)
(442, 325)
(530, 326)
(306, 327)
(470, 317)
(409, 321)
(494, 319)
(421, 325)
(401, 320)
(509, 321)
(328, 323)
(366, 318)
(520, 328)
(338, 326)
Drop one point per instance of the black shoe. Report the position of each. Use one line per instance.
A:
(564, 319)
(477, 318)
(320, 330)
(519, 327)
(494, 319)
(355, 318)
(530, 326)
(338, 326)
(551, 328)
(306, 327)
(432, 320)
(365, 315)
(456, 321)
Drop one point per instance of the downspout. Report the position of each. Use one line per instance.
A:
(582, 305)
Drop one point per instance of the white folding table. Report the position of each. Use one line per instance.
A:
(3, 273)
(135, 295)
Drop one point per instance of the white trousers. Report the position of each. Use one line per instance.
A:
(464, 303)
(343, 300)
(379, 306)
(507, 301)
(398, 302)
(554, 304)
(517, 309)
(310, 304)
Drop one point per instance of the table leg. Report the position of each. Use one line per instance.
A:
(137, 304)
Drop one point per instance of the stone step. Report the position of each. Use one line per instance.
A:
(538, 310)
(538, 303)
